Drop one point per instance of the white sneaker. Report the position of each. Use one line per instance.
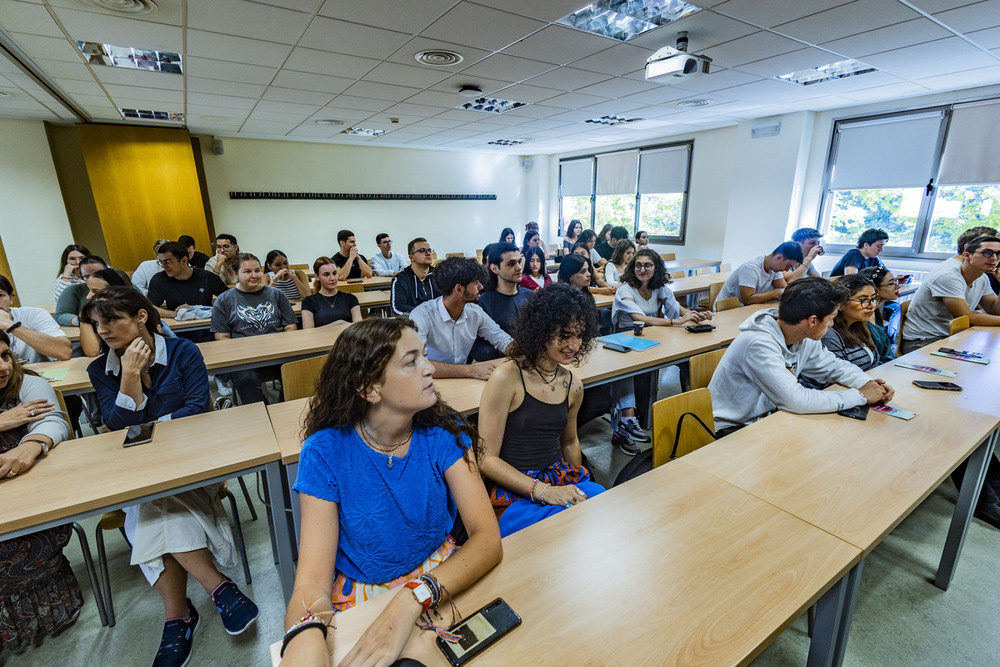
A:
(223, 388)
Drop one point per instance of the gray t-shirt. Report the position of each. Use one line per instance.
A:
(928, 316)
(242, 314)
(749, 274)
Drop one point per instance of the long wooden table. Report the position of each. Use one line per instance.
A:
(694, 284)
(675, 567)
(691, 264)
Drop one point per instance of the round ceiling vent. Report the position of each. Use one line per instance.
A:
(123, 6)
(694, 104)
(328, 121)
(438, 58)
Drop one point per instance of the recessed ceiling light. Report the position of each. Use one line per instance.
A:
(438, 58)
(470, 91)
(131, 57)
(328, 121)
(132, 7)
(694, 104)
(611, 120)
(491, 105)
(145, 114)
(624, 20)
(839, 70)
(363, 131)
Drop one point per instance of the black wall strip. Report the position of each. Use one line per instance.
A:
(358, 196)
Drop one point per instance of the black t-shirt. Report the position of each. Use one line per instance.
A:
(199, 260)
(197, 290)
(327, 309)
(340, 260)
(604, 250)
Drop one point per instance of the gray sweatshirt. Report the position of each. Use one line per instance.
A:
(759, 373)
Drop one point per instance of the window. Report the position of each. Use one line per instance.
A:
(640, 189)
(899, 173)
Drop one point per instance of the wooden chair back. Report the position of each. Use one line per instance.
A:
(62, 406)
(674, 275)
(666, 414)
(704, 270)
(713, 292)
(454, 254)
(352, 289)
(958, 324)
(300, 267)
(298, 378)
(727, 304)
(668, 256)
(702, 366)
(903, 307)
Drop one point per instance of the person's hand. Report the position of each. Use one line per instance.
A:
(308, 649)
(873, 392)
(692, 316)
(6, 319)
(814, 252)
(25, 413)
(19, 459)
(889, 391)
(562, 495)
(353, 254)
(385, 638)
(69, 270)
(706, 314)
(137, 357)
(284, 274)
(482, 371)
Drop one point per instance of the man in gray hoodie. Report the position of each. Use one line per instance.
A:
(759, 372)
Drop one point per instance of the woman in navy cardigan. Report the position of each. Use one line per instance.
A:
(139, 377)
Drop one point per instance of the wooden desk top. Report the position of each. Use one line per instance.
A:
(375, 282)
(690, 569)
(977, 339)
(854, 479)
(700, 283)
(686, 264)
(96, 472)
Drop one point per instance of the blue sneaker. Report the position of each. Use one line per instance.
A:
(178, 639)
(236, 609)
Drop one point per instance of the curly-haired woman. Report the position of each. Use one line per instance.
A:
(384, 469)
(528, 411)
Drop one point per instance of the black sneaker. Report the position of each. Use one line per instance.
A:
(632, 427)
(623, 442)
(178, 638)
(236, 609)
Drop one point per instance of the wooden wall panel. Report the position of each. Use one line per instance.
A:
(78, 196)
(145, 186)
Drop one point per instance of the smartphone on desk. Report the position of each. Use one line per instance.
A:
(355, 281)
(859, 412)
(700, 328)
(139, 434)
(964, 353)
(616, 347)
(942, 386)
(479, 631)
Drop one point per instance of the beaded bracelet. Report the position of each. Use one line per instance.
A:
(435, 586)
(303, 623)
(541, 495)
(531, 493)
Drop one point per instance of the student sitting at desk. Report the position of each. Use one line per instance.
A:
(534, 276)
(808, 239)
(870, 245)
(963, 240)
(221, 264)
(850, 338)
(329, 305)
(760, 280)
(604, 246)
(449, 324)
(597, 284)
(140, 377)
(884, 325)
(294, 284)
(34, 335)
(503, 297)
(533, 227)
(641, 239)
(90, 342)
(74, 298)
(352, 265)
(39, 595)
(386, 262)
(507, 235)
(759, 372)
(69, 268)
(573, 232)
(413, 285)
(385, 469)
(589, 239)
(180, 286)
(527, 419)
(531, 240)
(146, 270)
(196, 259)
(251, 309)
(613, 270)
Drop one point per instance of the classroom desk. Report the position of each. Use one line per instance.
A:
(375, 282)
(674, 567)
(693, 284)
(691, 264)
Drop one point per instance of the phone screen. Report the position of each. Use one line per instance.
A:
(479, 631)
(139, 434)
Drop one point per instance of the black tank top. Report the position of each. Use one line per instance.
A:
(532, 439)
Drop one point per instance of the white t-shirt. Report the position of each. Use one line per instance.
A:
(661, 303)
(595, 258)
(35, 319)
(611, 275)
(928, 316)
(749, 274)
(144, 272)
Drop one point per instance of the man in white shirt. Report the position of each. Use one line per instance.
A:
(954, 291)
(808, 239)
(450, 323)
(221, 263)
(34, 334)
(145, 271)
(761, 280)
(386, 262)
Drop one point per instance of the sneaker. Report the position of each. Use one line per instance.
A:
(621, 439)
(631, 425)
(236, 609)
(223, 388)
(178, 635)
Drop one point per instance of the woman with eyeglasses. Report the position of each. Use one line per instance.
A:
(885, 322)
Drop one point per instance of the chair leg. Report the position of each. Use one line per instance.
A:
(246, 497)
(102, 559)
(95, 583)
(238, 530)
(811, 620)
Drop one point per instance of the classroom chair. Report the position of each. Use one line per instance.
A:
(725, 267)
(957, 324)
(668, 256)
(704, 270)
(727, 304)
(674, 275)
(449, 255)
(676, 427)
(701, 367)
(298, 378)
(353, 288)
(713, 293)
(903, 307)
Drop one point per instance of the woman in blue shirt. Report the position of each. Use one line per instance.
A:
(384, 470)
(139, 377)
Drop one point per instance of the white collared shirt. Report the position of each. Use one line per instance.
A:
(450, 341)
(113, 365)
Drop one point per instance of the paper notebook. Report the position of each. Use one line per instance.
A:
(630, 341)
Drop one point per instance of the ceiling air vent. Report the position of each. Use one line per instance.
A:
(132, 7)
(438, 58)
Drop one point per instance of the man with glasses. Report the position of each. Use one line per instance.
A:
(145, 271)
(963, 239)
(180, 285)
(221, 263)
(954, 291)
(412, 286)
(386, 262)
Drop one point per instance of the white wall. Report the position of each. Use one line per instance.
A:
(33, 222)
(306, 229)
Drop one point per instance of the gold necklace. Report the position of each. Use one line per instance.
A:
(382, 448)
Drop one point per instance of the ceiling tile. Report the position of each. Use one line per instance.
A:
(507, 68)
(849, 19)
(290, 108)
(248, 19)
(353, 39)
(409, 17)
(454, 83)
(549, 10)
(52, 48)
(573, 116)
(139, 78)
(381, 91)
(64, 70)
(226, 101)
(482, 27)
(567, 78)
(28, 18)
(234, 88)
(167, 11)
(438, 99)
(617, 87)
(617, 60)
(522, 92)
(406, 75)
(950, 55)
(705, 29)
(789, 62)
(769, 13)
(324, 62)
(302, 96)
(932, 6)
(559, 45)
(79, 87)
(971, 17)
(417, 111)
(907, 33)
(360, 103)
(613, 107)
(313, 82)
(196, 111)
(751, 48)
(405, 55)
(105, 29)
(235, 49)
(206, 68)
(977, 77)
(718, 79)
(988, 39)
(276, 117)
(574, 100)
(339, 113)
(660, 96)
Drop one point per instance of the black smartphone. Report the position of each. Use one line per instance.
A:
(964, 353)
(943, 386)
(355, 281)
(859, 412)
(616, 347)
(700, 328)
(139, 434)
(479, 631)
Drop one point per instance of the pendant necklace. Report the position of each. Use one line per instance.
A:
(381, 448)
(555, 373)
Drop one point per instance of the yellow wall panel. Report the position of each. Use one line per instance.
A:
(145, 186)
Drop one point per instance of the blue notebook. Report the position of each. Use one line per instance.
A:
(630, 341)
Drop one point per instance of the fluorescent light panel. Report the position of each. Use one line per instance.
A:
(611, 120)
(625, 19)
(841, 70)
(491, 105)
(363, 131)
(131, 57)
(146, 114)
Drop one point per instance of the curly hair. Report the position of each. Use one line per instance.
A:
(358, 361)
(553, 312)
(660, 275)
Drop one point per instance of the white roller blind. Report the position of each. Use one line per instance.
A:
(617, 173)
(663, 170)
(576, 178)
(886, 153)
(972, 152)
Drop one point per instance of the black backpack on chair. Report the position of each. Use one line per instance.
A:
(643, 462)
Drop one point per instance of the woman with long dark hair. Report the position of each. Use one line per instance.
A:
(384, 470)
(293, 283)
(535, 276)
(69, 267)
(573, 232)
(507, 236)
(884, 325)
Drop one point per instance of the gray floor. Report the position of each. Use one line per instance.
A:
(901, 618)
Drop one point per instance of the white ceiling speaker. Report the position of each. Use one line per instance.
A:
(470, 91)
(123, 6)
